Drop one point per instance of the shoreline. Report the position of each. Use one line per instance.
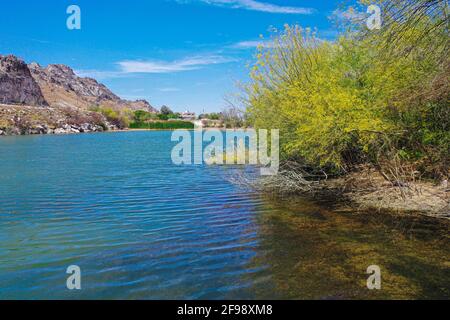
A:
(368, 191)
(3, 134)
(363, 190)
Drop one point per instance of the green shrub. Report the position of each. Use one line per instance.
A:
(166, 125)
(119, 118)
(163, 117)
(143, 116)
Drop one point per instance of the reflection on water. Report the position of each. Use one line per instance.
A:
(140, 227)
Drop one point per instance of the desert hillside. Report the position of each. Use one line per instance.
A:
(53, 99)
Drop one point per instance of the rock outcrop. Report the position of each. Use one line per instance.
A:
(58, 75)
(22, 120)
(62, 87)
(17, 86)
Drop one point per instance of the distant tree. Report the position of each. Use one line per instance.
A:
(233, 117)
(214, 116)
(174, 115)
(166, 110)
(141, 116)
(210, 116)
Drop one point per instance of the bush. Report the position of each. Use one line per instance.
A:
(163, 117)
(143, 116)
(119, 118)
(174, 116)
(169, 125)
(345, 103)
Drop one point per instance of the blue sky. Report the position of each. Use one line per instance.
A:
(187, 54)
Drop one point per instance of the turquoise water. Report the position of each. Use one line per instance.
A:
(140, 227)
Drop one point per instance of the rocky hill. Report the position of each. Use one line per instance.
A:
(62, 87)
(17, 84)
(56, 99)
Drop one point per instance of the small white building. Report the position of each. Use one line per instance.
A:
(188, 116)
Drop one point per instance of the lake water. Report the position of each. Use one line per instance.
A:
(140, 227)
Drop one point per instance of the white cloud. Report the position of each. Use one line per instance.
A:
(128, 67)
(251, 44)
(156, 66)
(98, 74)
(350, 14)
(256, 6)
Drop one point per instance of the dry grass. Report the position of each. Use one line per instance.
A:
(368, 189)
(363, 189)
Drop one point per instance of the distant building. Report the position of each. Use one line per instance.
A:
(188, 116)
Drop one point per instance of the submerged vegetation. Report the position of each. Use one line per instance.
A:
(378, 99)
